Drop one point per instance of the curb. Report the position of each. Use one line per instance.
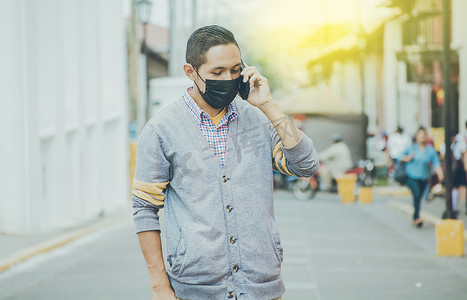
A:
(396, 192)
(427, 217)
(56, 242)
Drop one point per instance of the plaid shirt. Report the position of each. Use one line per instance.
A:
(215, 135)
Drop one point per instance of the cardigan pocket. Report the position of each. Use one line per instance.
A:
(276, 241)
(198, 259)
(177, 259)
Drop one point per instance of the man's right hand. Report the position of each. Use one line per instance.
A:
(150, 242)
(163, 294)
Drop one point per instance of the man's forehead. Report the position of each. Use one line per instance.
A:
(225, 56)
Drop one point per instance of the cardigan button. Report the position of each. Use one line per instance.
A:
(235, 268)
(228, 208)
(230, 294)
(233, 240)
(224, 178)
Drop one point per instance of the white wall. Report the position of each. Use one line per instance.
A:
(459, 23)
(407, 109)
(392, 44)
(345, 81)
(351, 83)
(372, 91)
(63, 101)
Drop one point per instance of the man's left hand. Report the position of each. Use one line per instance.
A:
(260, 92)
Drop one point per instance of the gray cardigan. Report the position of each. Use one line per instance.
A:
(221, 236)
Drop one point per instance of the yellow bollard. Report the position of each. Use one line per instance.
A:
(133, 150)
(346, 188)
(365, 195)
(450, 238)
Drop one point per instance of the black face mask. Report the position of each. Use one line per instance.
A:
(219, 93)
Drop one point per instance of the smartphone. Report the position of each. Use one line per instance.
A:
(244, 89)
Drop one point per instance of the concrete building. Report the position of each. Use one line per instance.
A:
(353, 69)
(63, 108)
(185, 17)
(402, 68)
(459, 44)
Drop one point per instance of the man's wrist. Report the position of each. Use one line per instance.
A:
(159, 278)
(267, 106)
(160, 283)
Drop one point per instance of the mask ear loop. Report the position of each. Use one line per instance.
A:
(201, 80)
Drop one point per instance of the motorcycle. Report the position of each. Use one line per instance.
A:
(282, 181)
(306, 188)
(301, 188)
(367, 177)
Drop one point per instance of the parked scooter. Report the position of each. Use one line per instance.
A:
(282, 181)
(368, 175)
(306, 188)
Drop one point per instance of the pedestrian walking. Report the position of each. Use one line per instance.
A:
(208, 160)
(420, 158)
(397, 143)
(458, 147)
(460, 154)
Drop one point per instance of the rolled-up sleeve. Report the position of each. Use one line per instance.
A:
(150, 181)
(300, 160)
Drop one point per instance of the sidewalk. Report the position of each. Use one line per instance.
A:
(15, 249)
(431, 211)
(359, 251)
(18, 248)
(332, 251)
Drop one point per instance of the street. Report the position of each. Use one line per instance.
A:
(332, 252)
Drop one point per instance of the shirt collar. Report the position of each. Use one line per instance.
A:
(201, 116)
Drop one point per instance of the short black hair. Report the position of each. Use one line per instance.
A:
(203, 39)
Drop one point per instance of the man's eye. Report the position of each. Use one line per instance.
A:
(218, 73)
(236, 71)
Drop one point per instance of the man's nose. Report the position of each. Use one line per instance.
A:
(228, 76)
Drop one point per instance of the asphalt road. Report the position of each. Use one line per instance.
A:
(332, 252)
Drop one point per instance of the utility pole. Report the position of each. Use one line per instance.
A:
(447, 105)
(133, 52)
(194, 16)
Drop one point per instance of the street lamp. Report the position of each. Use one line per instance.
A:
(143, 10)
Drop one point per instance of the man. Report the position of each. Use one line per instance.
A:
(208, 159)
(459, 151)
(397, 143)
(459, 182)
(336, 161)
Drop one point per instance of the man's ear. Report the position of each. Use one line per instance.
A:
(189, 71)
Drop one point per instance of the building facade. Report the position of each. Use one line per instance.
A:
(401, 73)
(63, 108)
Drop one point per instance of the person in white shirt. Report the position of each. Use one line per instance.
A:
(336, 161)
(397, 143)
(459, 180)
(459, 150)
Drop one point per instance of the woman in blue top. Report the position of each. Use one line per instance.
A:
(420, 159)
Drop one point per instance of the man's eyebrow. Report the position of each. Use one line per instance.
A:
(216, 68)
(222, 68)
